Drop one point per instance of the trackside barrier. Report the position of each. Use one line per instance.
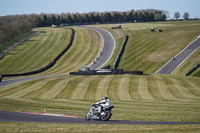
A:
(49, 65)
(120, 52)
(192, 70)
(113, 72)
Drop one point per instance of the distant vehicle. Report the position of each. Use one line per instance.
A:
(117, 27)
(53, 26)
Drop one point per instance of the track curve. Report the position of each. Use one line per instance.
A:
(6, 116)
(107, 50)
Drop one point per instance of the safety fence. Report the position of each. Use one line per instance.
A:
(192, 70)
(51, 64)
(120, 52)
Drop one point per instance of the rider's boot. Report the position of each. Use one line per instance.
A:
(102, 113)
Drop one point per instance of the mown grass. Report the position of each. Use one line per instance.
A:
(84, 50)
(12, 41)
(6, 127)
(151, 98)
(187, 65)
(36, 52)
(43, 48)
(141, 98)
(147, 51)
(196, 73)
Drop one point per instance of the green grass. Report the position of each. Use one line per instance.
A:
(78, 55)
(147, 51)
(196, 73)
(8, 127)
(149, 97)
(36, 52)
(192, 61)
(43, 48)
(12, 41)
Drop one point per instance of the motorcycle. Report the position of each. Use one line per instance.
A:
(106, 111)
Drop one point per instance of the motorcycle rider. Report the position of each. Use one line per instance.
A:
(105, 102)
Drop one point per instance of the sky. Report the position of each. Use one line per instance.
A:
(13, 7)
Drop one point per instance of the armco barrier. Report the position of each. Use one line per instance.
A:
(120, 52)
(113, 72)
(49, 65)
(192, 70)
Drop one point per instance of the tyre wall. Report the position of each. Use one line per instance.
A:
(113, 72)
(120, 52)
(192, 70)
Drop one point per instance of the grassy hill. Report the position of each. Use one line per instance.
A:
(35, 52)
(147, 51)
(40, 50)
(149, 97)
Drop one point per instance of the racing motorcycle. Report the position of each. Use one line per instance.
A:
(104, 115)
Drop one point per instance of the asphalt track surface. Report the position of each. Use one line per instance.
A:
(173, 64)
(12, 81)
(6, 116)
(103, 57)
(17, 43)
(107, 50)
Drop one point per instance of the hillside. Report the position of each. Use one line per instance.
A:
(149, 97)
(40, 50)
(36, 52)
(148, 51)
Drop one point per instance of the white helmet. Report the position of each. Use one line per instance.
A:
(104, 98)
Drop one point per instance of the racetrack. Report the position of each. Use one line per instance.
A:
(107, 50)
(119, 92)
(103, 57)
(173, 64)
(12, 81)
(17, 43)
(6, 116)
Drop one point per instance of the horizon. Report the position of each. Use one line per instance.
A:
(20, 7)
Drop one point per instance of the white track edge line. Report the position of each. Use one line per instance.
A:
(177, 55)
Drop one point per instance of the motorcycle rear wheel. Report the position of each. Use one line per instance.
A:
(107, 116)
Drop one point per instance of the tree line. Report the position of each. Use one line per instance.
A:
(177, 15)
(105, 17)
(14, 25)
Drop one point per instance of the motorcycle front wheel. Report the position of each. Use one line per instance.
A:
(87, 117)
(107, 116)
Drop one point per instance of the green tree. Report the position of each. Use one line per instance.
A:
(177, 15)
(186, 16)
(159, 17)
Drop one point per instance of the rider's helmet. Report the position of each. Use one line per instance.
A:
(104, 98)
